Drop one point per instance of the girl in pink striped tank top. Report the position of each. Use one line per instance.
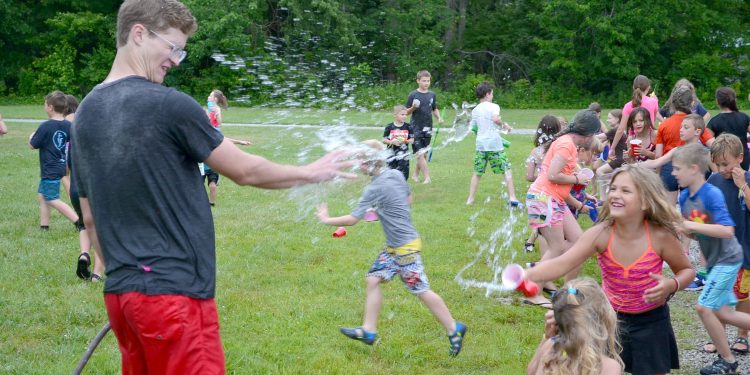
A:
(636, 231)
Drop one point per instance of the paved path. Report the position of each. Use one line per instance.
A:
(301, 126)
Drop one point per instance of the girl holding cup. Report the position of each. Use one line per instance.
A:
(642, 137)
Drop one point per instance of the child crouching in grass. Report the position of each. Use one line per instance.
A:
(389, 194)
(637, 231)
(580, 334)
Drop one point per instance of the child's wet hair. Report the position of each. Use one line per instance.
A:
(656, 208)
(697, 121)
(692, 154)
(726, 144)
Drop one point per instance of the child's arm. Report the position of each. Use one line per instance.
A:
(670, 249)
(586, 246)
(436, 113)
(338, 221)
(738, 176)
(3, 128)
(536, 362)
(658, 162)
(556, 176)
(238, 141)
(710, 230)
(530, 168)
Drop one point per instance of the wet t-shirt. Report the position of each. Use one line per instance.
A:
(137, 146)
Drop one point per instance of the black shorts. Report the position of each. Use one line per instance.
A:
(211, 176)
(420, 142)
(648, 342)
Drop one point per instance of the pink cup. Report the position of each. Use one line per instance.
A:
(340, 232)
(513, 279)
(370, 215)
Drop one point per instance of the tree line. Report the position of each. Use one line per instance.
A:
(539, 53)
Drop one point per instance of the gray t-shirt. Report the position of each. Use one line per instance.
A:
(388, 193)
(137, 146)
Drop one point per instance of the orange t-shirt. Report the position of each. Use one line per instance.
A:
(565, 148)
(669, 133)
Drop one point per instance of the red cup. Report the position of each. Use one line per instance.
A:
(340, 232)
(513, 279)
(634, 145)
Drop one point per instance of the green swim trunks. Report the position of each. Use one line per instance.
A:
(498, 162)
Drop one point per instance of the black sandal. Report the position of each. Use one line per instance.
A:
(740, 341)
(82, 270)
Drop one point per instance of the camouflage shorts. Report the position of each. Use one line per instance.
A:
(497, 159)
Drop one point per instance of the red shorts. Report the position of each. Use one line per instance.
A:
(742, 285)
(166, 334)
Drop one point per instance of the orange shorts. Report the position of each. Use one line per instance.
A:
(166, 334)
(742, 285)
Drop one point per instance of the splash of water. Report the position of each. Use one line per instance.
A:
(493, 252)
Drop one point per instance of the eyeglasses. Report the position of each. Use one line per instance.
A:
(177, 52)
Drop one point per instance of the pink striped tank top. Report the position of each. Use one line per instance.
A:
(624, 286)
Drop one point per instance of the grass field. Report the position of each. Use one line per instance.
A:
(284, 285)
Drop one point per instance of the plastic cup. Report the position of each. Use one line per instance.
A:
(340, 232)
(634, 145)
(513, 279)
(370, 216)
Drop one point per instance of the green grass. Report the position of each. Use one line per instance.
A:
(284, 285)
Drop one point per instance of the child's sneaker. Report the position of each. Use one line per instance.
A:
(515, 204)
(457, 339)
(697, 283)
(359, 334)
(720, 366)
(528, 247)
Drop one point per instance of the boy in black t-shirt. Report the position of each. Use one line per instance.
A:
(422, 105)
(51, 139)
(397, 136)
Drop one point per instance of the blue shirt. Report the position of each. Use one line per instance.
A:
(737, 208)
(51, 138)
(707, 206)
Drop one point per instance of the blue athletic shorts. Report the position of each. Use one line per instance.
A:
(719, 289)
(49, 189)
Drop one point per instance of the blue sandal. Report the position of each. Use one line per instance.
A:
(457, 339)
(360, 334)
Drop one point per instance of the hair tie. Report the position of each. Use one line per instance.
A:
(572, 291)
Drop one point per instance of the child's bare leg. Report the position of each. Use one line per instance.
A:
(439, 309)
(473, 188)
(83, 241)
(743, 307)
(64, 209)
(712, 322)
(43, 211)
(373, 302)
(604, 169)
(212, 192)
(66, 183)
(572, 232)
(509, 185)
(417, 167)
(424, 168)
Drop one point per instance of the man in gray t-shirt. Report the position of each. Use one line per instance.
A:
(390, 196)
(137, 145)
